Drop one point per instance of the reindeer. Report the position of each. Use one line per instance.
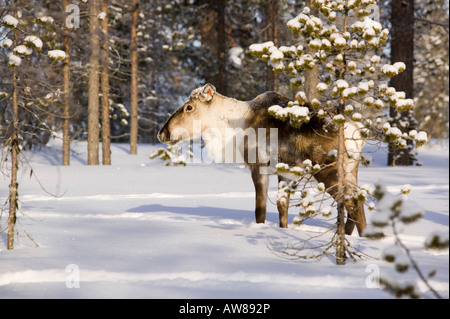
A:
(209, 114)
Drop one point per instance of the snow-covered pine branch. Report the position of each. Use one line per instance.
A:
(392, 213)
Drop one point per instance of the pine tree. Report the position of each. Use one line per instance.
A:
(24, 114)
(345, 45)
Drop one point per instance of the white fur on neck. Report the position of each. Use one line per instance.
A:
(354, 145)
(225, 114)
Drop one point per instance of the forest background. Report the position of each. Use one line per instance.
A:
(128, 64)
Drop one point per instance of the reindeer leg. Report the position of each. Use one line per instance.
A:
(355, 217)
(261, 182)
(283, 205)
(354, 208)
(351, 222)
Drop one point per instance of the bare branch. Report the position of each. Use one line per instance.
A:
(442, 24)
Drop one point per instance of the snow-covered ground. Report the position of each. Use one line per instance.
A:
(138, 229)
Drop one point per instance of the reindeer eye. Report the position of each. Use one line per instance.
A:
(189, 108)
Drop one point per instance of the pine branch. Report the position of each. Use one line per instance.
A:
(442, 24)
(413, 262)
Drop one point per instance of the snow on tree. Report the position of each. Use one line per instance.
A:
(30, 94)
(10, 21)
(172, 155)
(33, 41)
(345, 43)
(56, 55)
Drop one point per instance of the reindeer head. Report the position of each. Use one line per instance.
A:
(182, 123)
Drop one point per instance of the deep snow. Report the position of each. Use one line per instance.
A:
(138, 229)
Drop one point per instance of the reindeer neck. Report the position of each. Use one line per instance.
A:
(229, 112)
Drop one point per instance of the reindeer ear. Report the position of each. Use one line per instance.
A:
(207, 92)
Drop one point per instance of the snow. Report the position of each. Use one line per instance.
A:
(357, 117)
(56, 54)
(400, 66)
(406, 189)
(23, 50)
(421, 137)
(367, 26)
(14, 60)
(393, 70)
(294, 24)
(139, 229)
(46, 20)
(235, 56)
(321, 87)
(316, 44)
(101, 15)
(261, 47)
(375, 59)
(363, 87)
(35, 41)
(298, 111)
(282, 167)
(340, 42)
(276, 55)
(7, 43)
(404, 104)
(10, 21)
(341, 84)
(288, 50)
(394, 132)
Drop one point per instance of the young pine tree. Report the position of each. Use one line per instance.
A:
(344, 40)
(393, 214)
(27, 96)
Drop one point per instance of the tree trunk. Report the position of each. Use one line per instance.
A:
(311, 76)
(66, 84)
(402, 50)
(221, 47)
(134, 79)
(271, 34)
(208, 33)
(340, 234)
(13, 193)
(106, 125)
(341, 186)
(93, 93)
